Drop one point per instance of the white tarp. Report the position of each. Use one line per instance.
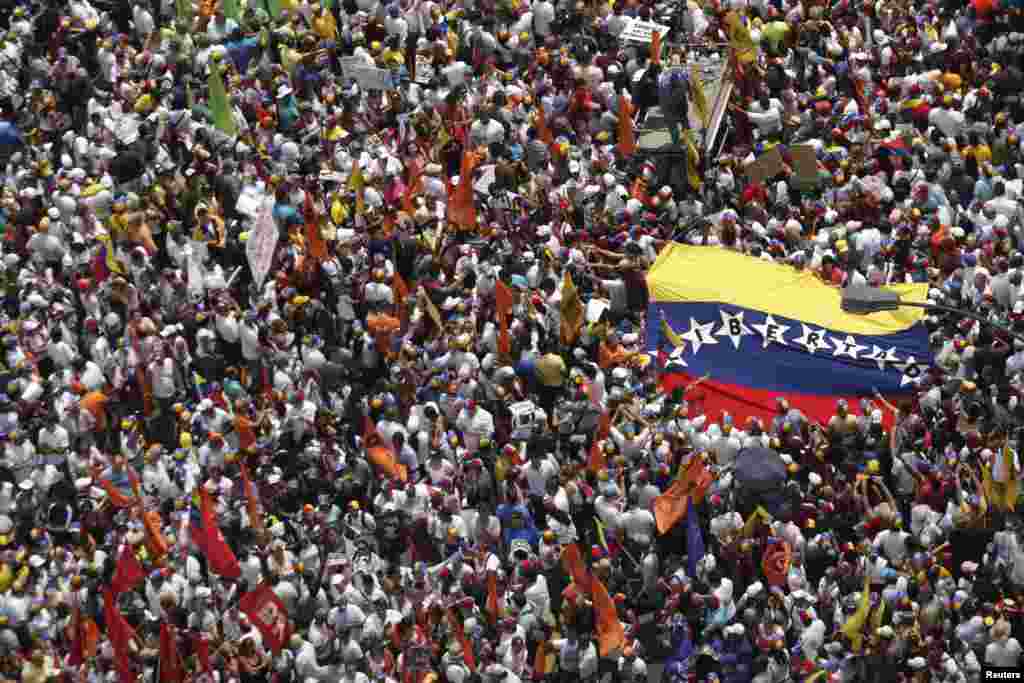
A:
(262, 243)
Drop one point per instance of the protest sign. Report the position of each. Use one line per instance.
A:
(765, 167)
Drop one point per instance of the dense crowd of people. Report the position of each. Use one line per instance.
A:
(326, 352)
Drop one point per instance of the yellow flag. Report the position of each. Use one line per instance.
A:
(692, 162)
(854, 626)
(748, 527)
(740, 39)
(356, 183)
(700, 101)
(1011, 492)
(670, 334)
(572, 311)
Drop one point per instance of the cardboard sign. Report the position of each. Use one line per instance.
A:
(371, 78)
(766, 166)
(641, 32)
(805, 165)
(425, 71)
(349, 63)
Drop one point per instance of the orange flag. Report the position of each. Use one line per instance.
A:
(627, 137)
(503, 311)
(116, 496)
(611, 635)
(156, 542)
(656, 48)
(461, 209)
(670, 507)
(251, 500)
(492, 597)
(458, 628)
(572, 564)
(380, 454)
(315, 244)
(414, 187)
(775, 562)
(401, 295)
(597, 461)
(543, 132)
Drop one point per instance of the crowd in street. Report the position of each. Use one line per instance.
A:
(326, 353)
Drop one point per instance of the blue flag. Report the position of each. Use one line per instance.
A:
(694, 540)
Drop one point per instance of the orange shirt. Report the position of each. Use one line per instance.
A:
(95, 402)
(382, 326)
(611, 355)
(246, 429)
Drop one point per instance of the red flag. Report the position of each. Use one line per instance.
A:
(77, 654)
(172, 670)
(269, 615)
(219, 554)
(121, 635)
(627, 137)
(597, 461)
(201, 646)
(129, 572)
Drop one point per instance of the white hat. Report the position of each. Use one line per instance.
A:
(735, 630)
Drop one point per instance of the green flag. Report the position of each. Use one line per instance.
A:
(231, 9)
(184, 10)
(220, 110)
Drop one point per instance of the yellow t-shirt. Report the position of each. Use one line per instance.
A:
(550, 370)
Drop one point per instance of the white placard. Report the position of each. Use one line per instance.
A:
(250, 201)
(456, 74)
(483, 184)
(642, 32)
(262, 242)
(196, 278)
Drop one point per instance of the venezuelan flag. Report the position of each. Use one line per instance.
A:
(762, 331)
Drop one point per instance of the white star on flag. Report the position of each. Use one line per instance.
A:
(884, 357)
(847, 347)
(771, 331)
(911, 371)
(812, 340)
(676, 357)
(698, 335)
(733, 327)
